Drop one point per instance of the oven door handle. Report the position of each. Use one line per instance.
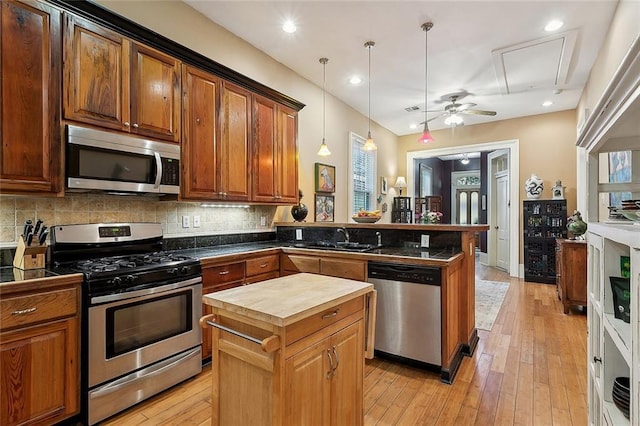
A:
(151, 371)
(152, 290)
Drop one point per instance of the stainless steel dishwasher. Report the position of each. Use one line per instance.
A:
(408, 318)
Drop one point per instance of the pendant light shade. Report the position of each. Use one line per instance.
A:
(324, 149)
(369, 145)
(426, 135)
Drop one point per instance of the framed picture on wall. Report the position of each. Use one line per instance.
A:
(324, 208)
(325, 178)
(383, 185)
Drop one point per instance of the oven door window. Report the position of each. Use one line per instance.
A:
(138, 324)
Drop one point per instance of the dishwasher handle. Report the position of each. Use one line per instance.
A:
(405, 273)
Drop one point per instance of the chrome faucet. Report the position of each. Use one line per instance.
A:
(346, 234)
(379, 235)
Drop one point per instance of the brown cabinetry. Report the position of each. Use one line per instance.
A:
(331, 266)
(275, 165)
(113, 82)
(571, 272)
(30, 76)
(39, 351)
(215, 149)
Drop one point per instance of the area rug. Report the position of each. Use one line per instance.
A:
(489, 298)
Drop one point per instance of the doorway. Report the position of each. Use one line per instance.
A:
(500, 204)
(510, 219)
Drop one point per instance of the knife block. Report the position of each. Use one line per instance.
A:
(29, 257)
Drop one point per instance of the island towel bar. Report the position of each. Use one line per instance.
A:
(269, 344)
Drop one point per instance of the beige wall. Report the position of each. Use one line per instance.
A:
(624, 30)
(181, 23)
(546, 144)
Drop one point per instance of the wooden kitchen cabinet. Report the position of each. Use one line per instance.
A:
(305, 364)
(215, 149)
(113, 82)
(324, 380)
(30, 80)
(331, 266)
(39, 351)
(275, 167)
(571, 272)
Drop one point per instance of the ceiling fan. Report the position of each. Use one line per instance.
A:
(453, 111)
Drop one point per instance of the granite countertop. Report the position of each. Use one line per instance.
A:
(388, 254)
(286, 300)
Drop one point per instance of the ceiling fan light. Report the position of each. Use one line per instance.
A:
(453, 120)
(426, 135)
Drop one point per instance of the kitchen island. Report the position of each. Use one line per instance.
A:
(290, 351)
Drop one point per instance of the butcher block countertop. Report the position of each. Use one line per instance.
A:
(286, 300)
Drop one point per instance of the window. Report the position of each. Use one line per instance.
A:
(363, 173)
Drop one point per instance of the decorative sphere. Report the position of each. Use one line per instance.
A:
(299, 212)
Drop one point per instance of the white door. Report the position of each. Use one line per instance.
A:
(502, 222)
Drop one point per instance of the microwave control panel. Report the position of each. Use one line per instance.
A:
(170, 172)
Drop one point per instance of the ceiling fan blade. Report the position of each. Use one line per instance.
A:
(478, 112)
(465, 107)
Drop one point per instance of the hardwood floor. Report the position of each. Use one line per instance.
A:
(530, 369)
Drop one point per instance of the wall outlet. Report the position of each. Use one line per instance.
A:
(185, 221)
(263, 221)
(298, 234)
(424, 241)
(196, 221)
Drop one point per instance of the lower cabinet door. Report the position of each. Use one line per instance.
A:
(348, 376)
(39, 373)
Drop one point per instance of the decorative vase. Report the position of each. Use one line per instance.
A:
(299, 211)
(558, 191)
(576, 225)
(533, 187)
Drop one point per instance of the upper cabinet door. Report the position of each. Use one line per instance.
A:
(265, 150)
(30, 76)
(155, 94)
(235, 150)
(96, 75)
(200, 142)
(287, 155)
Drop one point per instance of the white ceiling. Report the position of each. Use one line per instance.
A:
(497, 52)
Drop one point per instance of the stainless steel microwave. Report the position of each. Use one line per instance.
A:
(113, 162)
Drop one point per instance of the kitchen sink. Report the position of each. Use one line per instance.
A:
(330, 245)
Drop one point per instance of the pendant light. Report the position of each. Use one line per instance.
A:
(324, 149)
(369, 145)
(426, 135)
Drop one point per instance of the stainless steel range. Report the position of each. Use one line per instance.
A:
(141, 307)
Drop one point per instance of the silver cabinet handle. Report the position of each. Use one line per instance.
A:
(126, 123)
(264, 265)
(332, 314)
(330, 364)
(223, 272)
(24, 311)
(135, 125)
(335, 369)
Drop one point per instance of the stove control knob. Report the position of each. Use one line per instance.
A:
(173, 271)
(116, 281)
(184, 270)
(130, 278)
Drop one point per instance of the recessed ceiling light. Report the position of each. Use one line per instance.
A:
(289, 27)
(413, 126)
(355, 80)
(553, 25)
(547, 103)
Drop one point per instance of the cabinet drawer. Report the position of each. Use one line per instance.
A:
(316, 322)
(217, 275)
(297, 263)
(261, 265)
(34, 308)
(351, 269)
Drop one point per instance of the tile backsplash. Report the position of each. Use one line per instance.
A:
(93, 208)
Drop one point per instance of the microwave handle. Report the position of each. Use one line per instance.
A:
(156, 184)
